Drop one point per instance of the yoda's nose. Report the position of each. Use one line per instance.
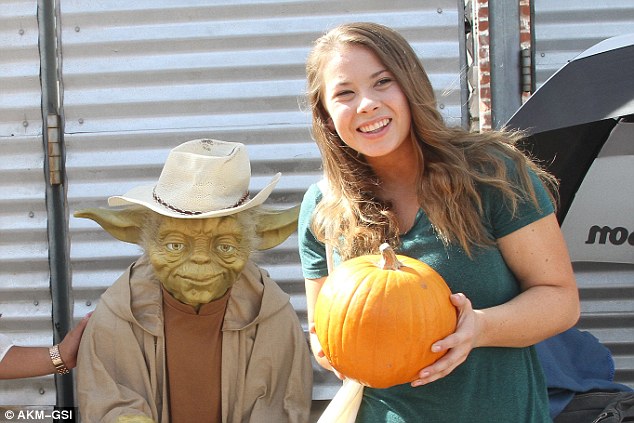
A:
(201, 256)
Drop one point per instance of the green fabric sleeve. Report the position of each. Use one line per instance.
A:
(312, 253)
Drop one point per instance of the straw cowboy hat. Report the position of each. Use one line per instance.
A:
(200, 179)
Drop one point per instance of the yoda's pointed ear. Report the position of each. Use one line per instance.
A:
(123, 224)
(274, 226)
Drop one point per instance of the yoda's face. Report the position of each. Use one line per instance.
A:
(198, 260)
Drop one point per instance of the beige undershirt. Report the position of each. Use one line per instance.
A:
(193, 344)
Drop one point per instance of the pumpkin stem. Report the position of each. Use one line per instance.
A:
(388, 260)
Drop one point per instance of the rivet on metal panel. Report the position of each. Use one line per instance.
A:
(439, 10)
(88, 303)
(77, 29)
(21, 31)
(42, 391)
(36, 302)
(81, 121)
(31, 214)
(25, 123)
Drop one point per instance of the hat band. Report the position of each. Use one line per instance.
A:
(162, 202)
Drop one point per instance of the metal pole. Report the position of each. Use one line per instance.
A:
(54, 172)
(504, 36)
(464, 75)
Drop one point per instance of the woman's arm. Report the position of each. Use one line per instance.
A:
(22, 362)
(313, 286)
(548, 304)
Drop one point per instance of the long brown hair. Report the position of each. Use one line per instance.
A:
(350, 216)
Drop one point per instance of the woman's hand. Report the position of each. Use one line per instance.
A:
(458, 345)
(318, 352)
(70, 344)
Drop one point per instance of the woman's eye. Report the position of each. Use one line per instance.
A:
(175, 246)
(384, 81)
(343, 93)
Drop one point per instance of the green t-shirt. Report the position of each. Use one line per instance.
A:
(494, 384)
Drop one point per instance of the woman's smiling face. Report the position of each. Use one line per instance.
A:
(367, 107)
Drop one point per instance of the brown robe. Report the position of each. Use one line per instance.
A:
(193, 345)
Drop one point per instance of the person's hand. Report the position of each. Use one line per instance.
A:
(458, 345)
(70, 344)
(319, 352)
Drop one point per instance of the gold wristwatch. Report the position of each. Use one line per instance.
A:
(57, 360)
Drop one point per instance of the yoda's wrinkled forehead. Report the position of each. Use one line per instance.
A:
(241, 227)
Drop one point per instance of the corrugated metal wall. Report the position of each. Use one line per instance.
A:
(141, 77)
(562, 30)
(25, 299)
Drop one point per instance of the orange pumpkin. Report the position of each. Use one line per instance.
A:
(377, 316)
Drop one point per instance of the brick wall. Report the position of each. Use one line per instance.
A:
(479, 62)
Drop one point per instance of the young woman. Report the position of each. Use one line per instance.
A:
(470, 205)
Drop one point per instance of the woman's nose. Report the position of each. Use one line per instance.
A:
(368, 103)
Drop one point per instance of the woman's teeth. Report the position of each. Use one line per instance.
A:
(375, 126)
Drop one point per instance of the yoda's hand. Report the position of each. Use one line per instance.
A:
(136, 418)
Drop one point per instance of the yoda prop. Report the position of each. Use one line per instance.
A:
(194, 330)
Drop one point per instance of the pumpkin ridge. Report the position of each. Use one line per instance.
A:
(349, 321)
(376, 302)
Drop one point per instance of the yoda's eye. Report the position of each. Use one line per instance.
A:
(175, 246)
(226, 248)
